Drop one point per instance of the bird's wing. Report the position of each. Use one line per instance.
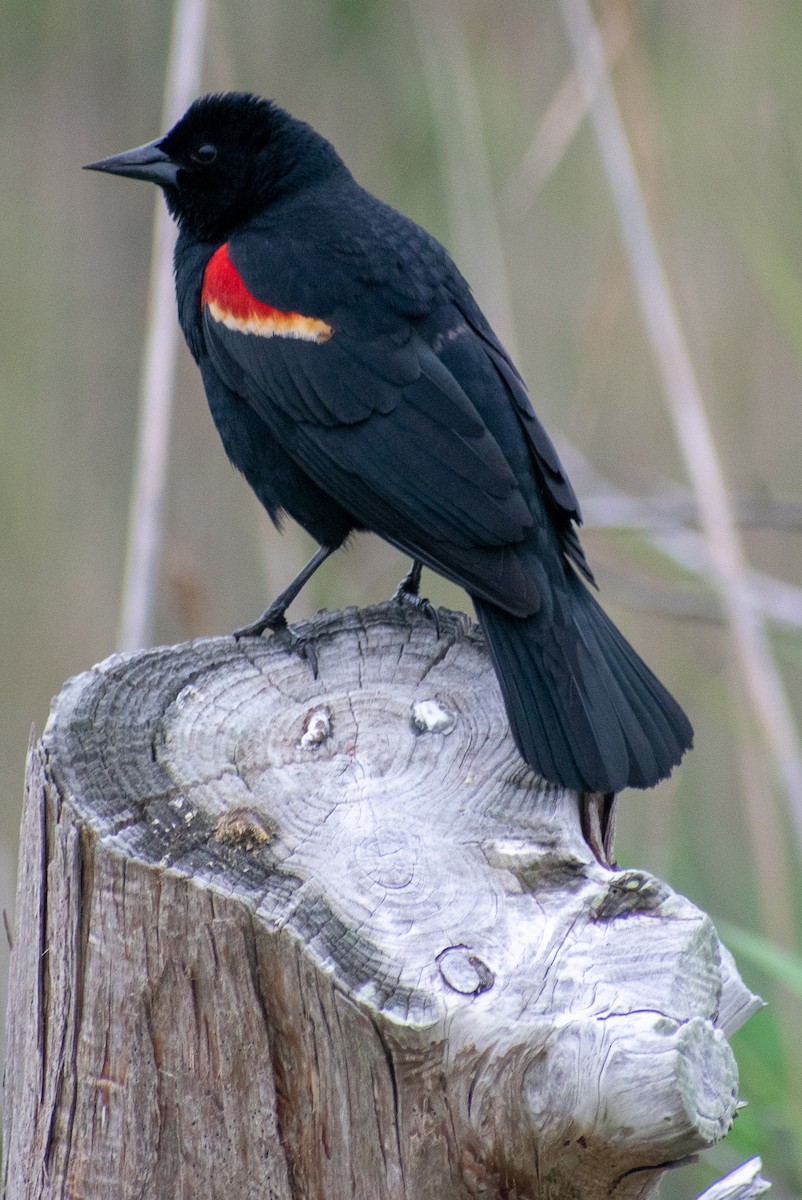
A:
(370, 411)
(409, 278)
(556, 488)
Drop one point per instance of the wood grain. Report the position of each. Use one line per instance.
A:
(291, 937)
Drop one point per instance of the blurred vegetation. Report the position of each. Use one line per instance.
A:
(711, 95)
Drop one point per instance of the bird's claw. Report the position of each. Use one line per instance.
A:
(275, 621)
(294, 643)
(291, 641)
(406, 593)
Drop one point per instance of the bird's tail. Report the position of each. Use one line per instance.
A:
(585, 710)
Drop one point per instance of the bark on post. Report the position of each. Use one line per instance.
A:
(285, 937)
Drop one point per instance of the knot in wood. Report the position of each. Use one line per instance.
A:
(465, 972)
(317, 728)
(429, 716)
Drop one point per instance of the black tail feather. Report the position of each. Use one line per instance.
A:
(585, 710)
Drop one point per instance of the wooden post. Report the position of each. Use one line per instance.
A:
(295, 938)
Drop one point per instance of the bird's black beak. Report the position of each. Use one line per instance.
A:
(145, 162)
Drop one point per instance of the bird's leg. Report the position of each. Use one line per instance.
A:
(408, 592)
(409, 587)
(274, 617)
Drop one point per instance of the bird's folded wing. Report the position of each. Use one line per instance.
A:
(383, 427)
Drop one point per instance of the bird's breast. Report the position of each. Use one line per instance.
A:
(226, 295)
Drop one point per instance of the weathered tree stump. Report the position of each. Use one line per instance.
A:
(327, 938)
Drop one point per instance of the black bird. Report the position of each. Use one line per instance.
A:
(356, 385)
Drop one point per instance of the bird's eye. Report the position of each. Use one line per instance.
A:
(204, 154)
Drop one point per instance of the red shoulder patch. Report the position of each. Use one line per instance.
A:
(225, 295)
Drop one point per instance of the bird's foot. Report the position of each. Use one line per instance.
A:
(274, 620)
(407, 593)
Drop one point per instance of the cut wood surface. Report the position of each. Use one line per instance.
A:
(289, 937)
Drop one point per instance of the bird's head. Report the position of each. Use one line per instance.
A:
(229, 157)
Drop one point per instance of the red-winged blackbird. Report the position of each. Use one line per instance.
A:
(356, 385)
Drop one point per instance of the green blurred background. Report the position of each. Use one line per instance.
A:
(438, 106)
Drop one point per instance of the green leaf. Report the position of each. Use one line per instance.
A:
(782, 965)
